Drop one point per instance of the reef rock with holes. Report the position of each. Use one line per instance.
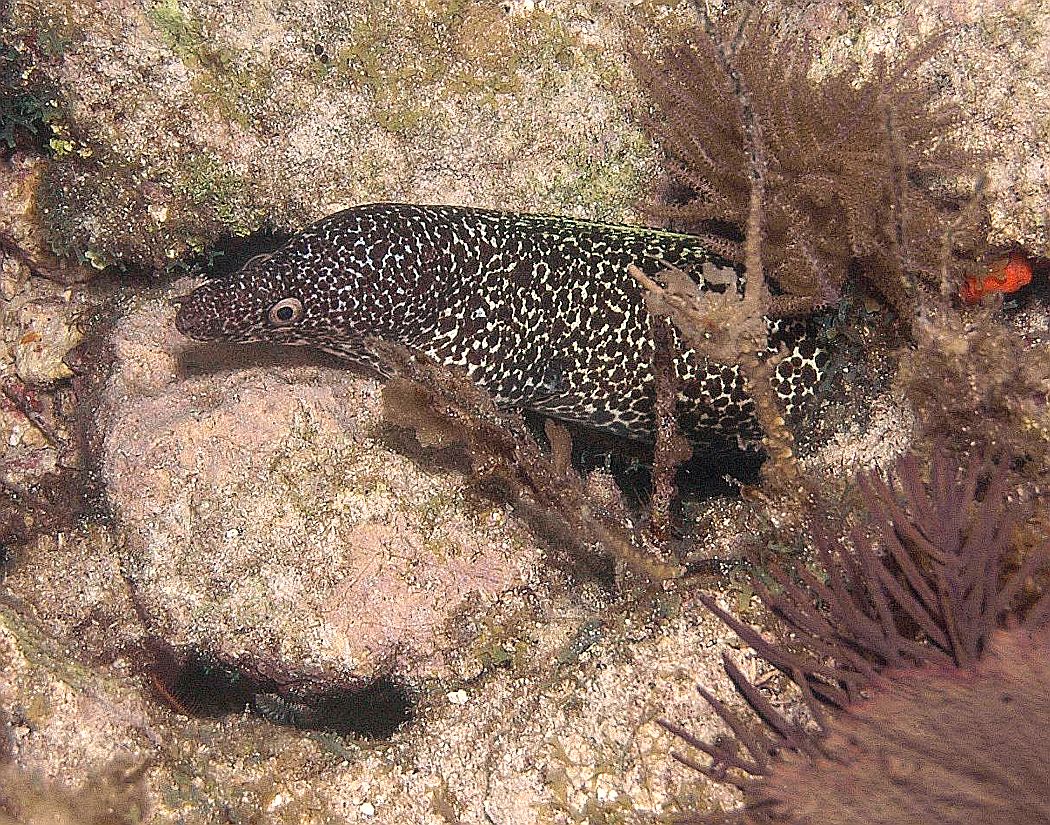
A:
(179, 121)
(269, 526)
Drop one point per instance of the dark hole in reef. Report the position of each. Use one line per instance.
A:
(1037, 293)
(228, 254)
(704, 476)
(195, 684)
(716, 472)
(374, 711)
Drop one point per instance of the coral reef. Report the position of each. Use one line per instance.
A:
(188, 121)
(830, 182)
(551, 714)
(888, 637)
(200, 120)
(297, 613)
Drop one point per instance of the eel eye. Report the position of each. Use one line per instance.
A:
(286, 311)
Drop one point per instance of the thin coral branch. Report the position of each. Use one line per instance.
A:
(791, 733)
(949, 545)
(672, 448)
(772, 653)
(444, 406)
(756, 744)
(722, 757)
(731, 327)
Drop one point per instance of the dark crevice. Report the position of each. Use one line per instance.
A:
(200, 685)
(712, 472)
(231, 252)
(374, 711)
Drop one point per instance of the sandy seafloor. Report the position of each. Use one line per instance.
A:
(411, 652)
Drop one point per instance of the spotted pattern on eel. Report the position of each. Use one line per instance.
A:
(540, 311)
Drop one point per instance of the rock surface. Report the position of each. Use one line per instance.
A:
(24, 245)
(181, 121)
(40, 311)
(260, 513)
(268, 523)
(536, 697)
(565, 733)
(186, 120)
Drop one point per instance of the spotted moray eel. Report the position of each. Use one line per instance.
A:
(540, 311)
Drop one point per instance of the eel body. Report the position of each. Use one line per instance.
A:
(540, 311)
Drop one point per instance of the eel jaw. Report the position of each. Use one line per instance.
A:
(189, 318)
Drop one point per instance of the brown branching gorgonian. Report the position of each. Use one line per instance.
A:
(923, 663)
(849, 161)
(731, 327)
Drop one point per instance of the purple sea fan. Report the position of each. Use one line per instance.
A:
(924, 707)
(936, 744)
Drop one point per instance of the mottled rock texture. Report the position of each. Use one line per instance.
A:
(38, 324)
(180, 121)
(552, 717)
(259, 513)
(200, 119)
(268, 522)
(24, 245)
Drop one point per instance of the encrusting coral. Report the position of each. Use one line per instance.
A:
(1005, 275)
(922, 659)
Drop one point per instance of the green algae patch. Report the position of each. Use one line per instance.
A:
(228, 80)
(218, 188)
(184, 35)
(610, 175)
(412, 61)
